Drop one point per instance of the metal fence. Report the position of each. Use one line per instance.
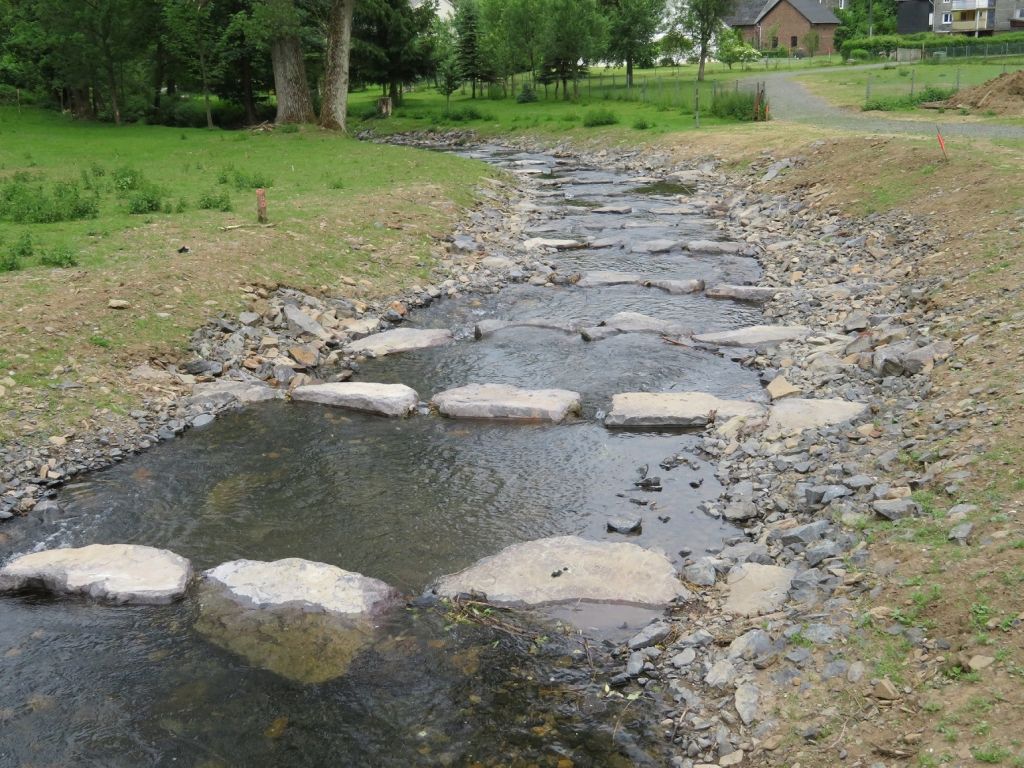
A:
(985, 50)
(925, 82)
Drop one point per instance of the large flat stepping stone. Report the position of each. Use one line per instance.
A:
(618, 209)
(601, 278)
(716, 246)
(753, 589)
(654, 246)
(752, 293)
(754, 336)
(400, 340)
(500, 401)
(302, 620)
(677, 210)
(632, 322)
(674, 409)
(559, 244)
(242, 391)
(676, 286)
(793, 415)
(120, 573)
(382, 399)
(569, 568)
(489, 327)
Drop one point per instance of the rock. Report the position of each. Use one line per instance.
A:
(856, 672)
(625, 524)
(676, 287)
(302, 620)
(300, 322)
(496, 263)
(731, 759)
(702, 572)
(654, 246)
(399, 340)
(306, 355)
(885, 690)
(721, 675)
(752, 293)
(747, 701)
(750, 645)
(754, 589)
(635, 665)
(715, 246)
(118, 304)
(794, 415)
(586, 570)
(613, 209)
(961, 534)
(678, 409)
(358, 328)
(801, 534)
(242, 391)
(383, 399)
(536, 243)
(978, 663)
(650, 635)
(121, 573)
(683, 659)
(248, 318)
(632, 322)
(779, 388)
(896, 509)
(602, 278)
(500, 401)
(754, 336)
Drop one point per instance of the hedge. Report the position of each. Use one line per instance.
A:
(885, 44)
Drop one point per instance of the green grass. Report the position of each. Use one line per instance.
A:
(849, 87)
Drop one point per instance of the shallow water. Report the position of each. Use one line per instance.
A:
(402, 500)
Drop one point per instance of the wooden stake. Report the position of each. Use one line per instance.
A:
(261, 206)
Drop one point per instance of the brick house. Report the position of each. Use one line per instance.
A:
(785, 23)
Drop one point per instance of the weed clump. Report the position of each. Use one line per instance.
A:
(598, 117)
(738, 105)
(60, 256)
(25, 201)
(215, 200)
(244, 179)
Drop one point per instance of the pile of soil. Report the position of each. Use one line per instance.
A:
(1003, 95)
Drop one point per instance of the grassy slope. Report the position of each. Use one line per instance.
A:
(848, 87)
(341, 208)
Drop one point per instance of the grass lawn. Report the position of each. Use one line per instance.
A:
(848, 87)
(340, 208)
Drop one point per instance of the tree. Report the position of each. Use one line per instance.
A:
(392, 44)
(190, 33)
(282, 21)
(575, 35)
(733, 49)
(675, 44)
(812, 42)
(702, 19)
(448, 73)
(862, 18)
(472, 63)
(334, 107)
(632, 25)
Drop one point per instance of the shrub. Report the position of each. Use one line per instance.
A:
(859, 54)
(892, 103)
(243, 179)
(148, 199)
(126, 179)
(597, 117)
(642, 125)
(736, 105)
(25, 202)
(23, 248)
(9, 262)
(465, 114)
(527, 95)
(181, 206)
(218, 200)
(59, 256)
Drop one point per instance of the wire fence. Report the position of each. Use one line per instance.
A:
(985, 50)
(923, 83)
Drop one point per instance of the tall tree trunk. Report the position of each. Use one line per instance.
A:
(395, 92)
(565, 87)
(629, 71)
(703, 60)
(206, 87)
(158, 73)
(112, 84)
(248, 101)
(293, 102)
(339, 42)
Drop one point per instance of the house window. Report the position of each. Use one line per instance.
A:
(842, 5)
(775, 42)
(793, 43)
(947, 18)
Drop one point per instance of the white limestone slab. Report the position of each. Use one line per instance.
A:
(754, 336)
(500, 401)
(674, 409)
(794, 415)
(383, 399)
(400, 340)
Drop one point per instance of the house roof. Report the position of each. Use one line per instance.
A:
(814, 12)
(744, 13)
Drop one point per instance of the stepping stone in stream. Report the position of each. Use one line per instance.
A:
(120, 573)
(676, 286)
(654, 246)
(399, 340)
(716, 246)
(600, 278)
(793, 415)
(382, 399)
(566, 568)
(500, 401)
(677, 210)
(754, 336)
(559, 244)
(752, 293)
(302, 620)
(486, 328)
(632, 322)
(242, 391)
(674, 409)
(620, 209)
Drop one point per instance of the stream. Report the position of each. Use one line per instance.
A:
(405, 501)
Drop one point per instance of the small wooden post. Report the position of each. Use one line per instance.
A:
(261, 206)
(384, 106)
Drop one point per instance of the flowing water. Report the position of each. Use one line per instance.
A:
(402, 500)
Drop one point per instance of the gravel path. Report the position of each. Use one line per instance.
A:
(790, 100)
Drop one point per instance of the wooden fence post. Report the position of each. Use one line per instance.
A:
(261, 206)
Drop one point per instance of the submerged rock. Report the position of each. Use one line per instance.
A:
(569, 568)
(400, 340)
(632, 322)
(383, 399)
(302, 620)
(501, 401)
(674, 409)
(121, 573)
